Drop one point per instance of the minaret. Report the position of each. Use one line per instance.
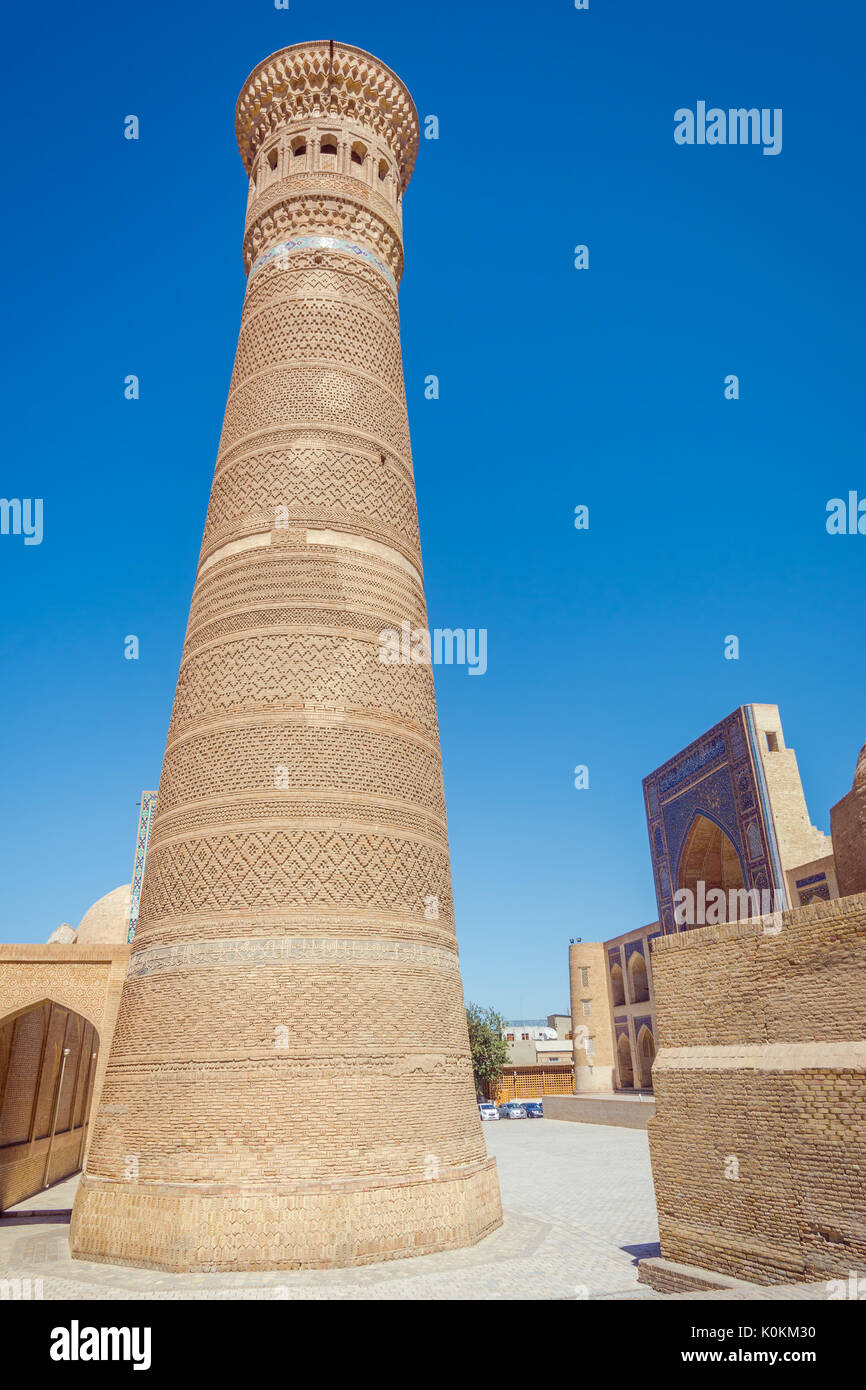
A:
(290, 1082)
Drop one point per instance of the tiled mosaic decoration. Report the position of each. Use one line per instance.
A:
(720, 777)
(324, 243)
(142, 840)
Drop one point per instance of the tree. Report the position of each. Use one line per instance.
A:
(487, 1046)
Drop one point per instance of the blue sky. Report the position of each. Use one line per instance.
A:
(558, 387)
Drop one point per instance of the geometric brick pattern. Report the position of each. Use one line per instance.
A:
(269, 670)
(312, 481)
(289, 1081)
(268, 869)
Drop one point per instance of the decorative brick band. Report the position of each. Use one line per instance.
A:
(755, 1056)
(246, 951)
(322, 243)
(334, 1225)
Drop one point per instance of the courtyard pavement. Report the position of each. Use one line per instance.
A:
(579, 1213)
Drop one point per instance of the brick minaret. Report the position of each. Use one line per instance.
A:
(289, 1083)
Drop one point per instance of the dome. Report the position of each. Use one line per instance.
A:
(107, 921)
(63, 935)
(860, 774)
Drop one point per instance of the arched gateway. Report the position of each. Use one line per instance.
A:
(710, 857)
(48, 1056)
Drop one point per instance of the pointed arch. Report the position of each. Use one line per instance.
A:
(709, 855)
(646, 1051)
(624, 1066)
(617, 984)
(638, 980)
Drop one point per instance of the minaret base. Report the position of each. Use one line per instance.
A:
(339, 1224)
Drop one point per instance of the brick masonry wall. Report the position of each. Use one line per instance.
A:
(591, 956)
(799, 840)
(761, 1073)
(848, 823)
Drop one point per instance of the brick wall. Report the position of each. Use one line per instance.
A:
(758, 1144)
(848, 823)
(587, 960)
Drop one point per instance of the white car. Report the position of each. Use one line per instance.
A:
(487, 1110)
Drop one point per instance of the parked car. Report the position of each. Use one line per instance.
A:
(512, 1110)
(487, 1110)
(534, 1109)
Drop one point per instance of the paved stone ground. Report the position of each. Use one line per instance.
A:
(579, 1213)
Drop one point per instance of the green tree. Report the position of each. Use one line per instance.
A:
(488, 1047)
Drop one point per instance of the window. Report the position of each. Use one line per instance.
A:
(359, 153)
(509, 1037)
(584, 977)
(524, 1037)
(773, 742)
(299, 149)
(383, 169)
(585, 1004)
(328, 147)
(273, 156)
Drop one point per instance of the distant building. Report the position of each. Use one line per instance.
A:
(730, 838)
(527, 1038)
(540, 1058)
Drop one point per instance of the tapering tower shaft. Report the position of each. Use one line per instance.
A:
(290, 1083)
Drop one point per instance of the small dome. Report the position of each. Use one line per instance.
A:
(107, 921)
(63, 935)
(860, 773)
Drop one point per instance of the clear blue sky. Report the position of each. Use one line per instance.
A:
(558, 387)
